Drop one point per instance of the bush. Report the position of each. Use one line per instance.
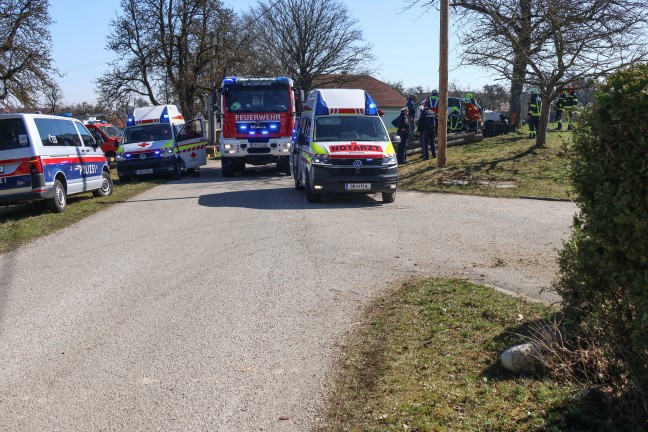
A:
(604, 266)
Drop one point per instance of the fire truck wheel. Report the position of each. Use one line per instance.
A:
(388, 197)
(227, 167)
(311, 197)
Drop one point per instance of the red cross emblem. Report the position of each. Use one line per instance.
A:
(193, 155)
(143, 145)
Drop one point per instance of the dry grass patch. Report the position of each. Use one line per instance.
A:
(427, 359)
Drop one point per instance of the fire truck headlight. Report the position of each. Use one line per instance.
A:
(228, 146)
(389, 160)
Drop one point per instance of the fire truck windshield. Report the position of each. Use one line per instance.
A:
(261, 99)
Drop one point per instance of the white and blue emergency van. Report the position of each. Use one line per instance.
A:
(158, 140)
(342, 146)
(45, 157)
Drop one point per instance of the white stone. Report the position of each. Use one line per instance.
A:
(520, 358)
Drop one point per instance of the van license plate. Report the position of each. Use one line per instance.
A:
(357, 186)
(144, 171)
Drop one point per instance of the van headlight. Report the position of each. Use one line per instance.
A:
(120, 157)
(389, 160)
(321, 160)
(166, 152)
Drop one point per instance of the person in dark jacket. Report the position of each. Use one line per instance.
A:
(559, 107)
(427, 125)
(570, 107)
(402, 124)
(535, 108)
(411, 111)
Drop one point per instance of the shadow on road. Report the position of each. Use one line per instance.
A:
(284, 199)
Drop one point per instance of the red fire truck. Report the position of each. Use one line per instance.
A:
(257, 117)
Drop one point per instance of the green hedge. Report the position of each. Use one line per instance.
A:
(604, 281)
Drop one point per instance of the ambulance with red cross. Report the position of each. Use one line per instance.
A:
(342, 146)
(157, 140)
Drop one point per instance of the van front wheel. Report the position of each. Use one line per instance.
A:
(388, 197)
(311, 197)
(58, 202)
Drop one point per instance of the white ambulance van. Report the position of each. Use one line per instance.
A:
(342, 146)
(157, 140)
(44, 157)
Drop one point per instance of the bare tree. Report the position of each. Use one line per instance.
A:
(25, 46)
(493, 96)
(172, 52)
(550, 43)
(308, 39)
(53, 97)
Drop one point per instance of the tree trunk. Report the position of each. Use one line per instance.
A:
(520, 63)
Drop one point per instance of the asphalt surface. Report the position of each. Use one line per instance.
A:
(214, 304)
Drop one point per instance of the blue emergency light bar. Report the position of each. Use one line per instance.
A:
(370, 106)
(320, 106)
(130, 121)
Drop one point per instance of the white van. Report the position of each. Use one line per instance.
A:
(342, 145)
(157, 140)
(45, 157)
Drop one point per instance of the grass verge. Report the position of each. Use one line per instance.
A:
(502, 166)
(23, 223)
(426, 358)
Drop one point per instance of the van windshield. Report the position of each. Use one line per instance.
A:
(147, 132)
(344, 128)
(12, 134)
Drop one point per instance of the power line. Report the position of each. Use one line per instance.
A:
(90, 64)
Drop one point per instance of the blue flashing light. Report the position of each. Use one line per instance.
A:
(128, 155)
(370, 106)
(320, 106)
(243, 127)
(157, 153)
(130, 121)
(252, 133)
(274, 126)
(265, 132)
(283, 79)
(229, 80)
(164, 118)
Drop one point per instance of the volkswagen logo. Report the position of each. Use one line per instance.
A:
(143, 156)
(357, 164)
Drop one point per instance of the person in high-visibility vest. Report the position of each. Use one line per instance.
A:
(473, 116)
(559, 107)
(432, 102)
(570, 107)
(455, 120)
(535, 109)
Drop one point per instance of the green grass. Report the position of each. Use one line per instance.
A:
(23, 223)
(502, 166)
(426, 358)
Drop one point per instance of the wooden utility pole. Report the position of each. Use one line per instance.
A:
(443, 85)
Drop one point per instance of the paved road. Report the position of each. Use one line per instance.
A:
(207, 304)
